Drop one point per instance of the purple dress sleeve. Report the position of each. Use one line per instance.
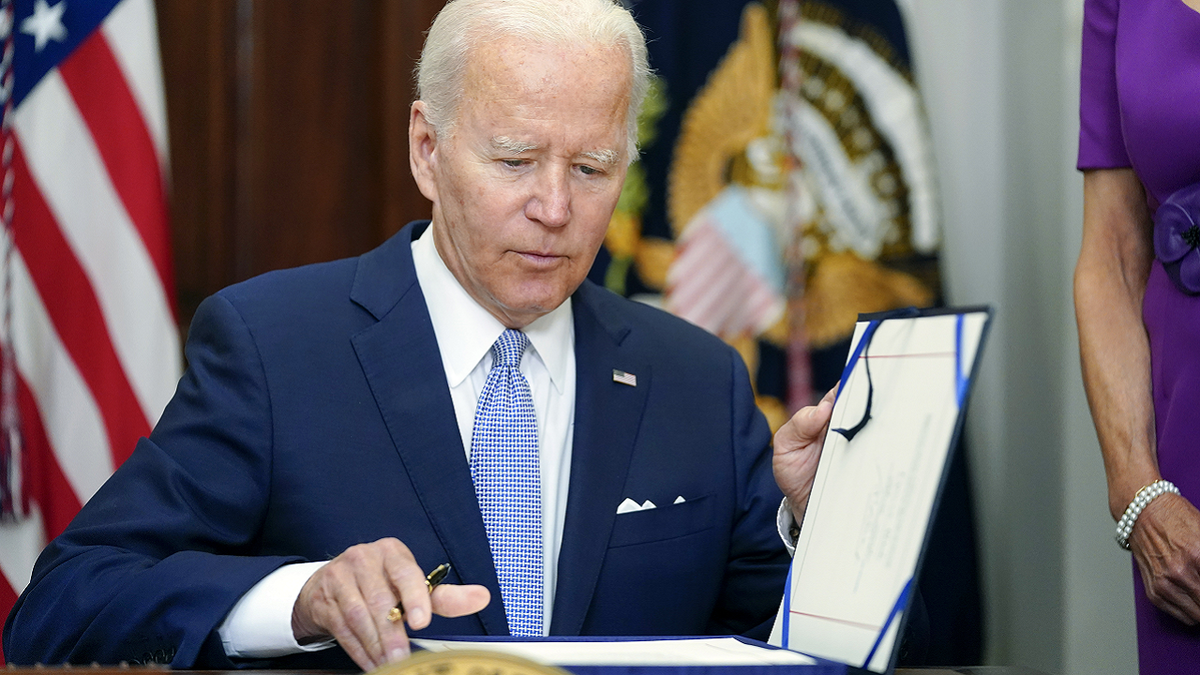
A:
(1101, 141)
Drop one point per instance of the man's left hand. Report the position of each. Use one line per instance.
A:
(797, 448)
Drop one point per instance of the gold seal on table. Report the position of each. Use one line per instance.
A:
(466, 662)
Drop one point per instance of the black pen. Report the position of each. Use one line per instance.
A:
(431, 582)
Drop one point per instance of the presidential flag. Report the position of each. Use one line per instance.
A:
(786, 184)
(90, 342)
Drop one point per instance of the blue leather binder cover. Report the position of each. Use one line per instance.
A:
(822, 667)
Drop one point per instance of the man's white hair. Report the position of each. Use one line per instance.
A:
(464, 23)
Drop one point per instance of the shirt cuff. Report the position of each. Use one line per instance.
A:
(260, 625)
(785, 521)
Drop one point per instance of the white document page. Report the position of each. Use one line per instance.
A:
(724, 651)
(873, 495)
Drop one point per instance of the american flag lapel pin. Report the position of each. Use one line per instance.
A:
(624, 377)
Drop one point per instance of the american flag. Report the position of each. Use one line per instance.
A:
(622, 377)
(91, 346)
(714, 286)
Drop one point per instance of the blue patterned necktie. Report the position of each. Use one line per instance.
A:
(504, 467)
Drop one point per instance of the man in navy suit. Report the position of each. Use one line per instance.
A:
(316, 460)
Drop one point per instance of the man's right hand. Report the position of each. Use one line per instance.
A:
(349, 599)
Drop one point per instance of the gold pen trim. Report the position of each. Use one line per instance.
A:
(432, 580)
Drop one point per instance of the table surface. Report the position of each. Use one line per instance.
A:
(136, 669)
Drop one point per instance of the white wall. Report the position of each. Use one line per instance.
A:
(1000, 79)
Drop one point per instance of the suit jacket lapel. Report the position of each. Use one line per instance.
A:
(607, 417)
(400, 357)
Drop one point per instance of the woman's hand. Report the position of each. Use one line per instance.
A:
(1166, 544)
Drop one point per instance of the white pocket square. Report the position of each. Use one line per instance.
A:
(629, 506)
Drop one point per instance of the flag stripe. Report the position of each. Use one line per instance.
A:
(693, 251)
(8, 597)
(74, 183)
(24, 540)
(73, 426)
(712, 293)
(720, 312)
(695, 294)
(75, 314)
(704, 261)
(110, 112)
(711, 286)
(132, 34)
(48, 485)
(692, 269)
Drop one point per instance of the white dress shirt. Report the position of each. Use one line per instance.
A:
(260, 623)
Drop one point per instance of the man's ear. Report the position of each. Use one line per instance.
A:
(422, 151)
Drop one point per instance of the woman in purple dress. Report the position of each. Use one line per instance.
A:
(1137, 301)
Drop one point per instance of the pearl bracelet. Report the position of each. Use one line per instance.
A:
(1140, 501)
